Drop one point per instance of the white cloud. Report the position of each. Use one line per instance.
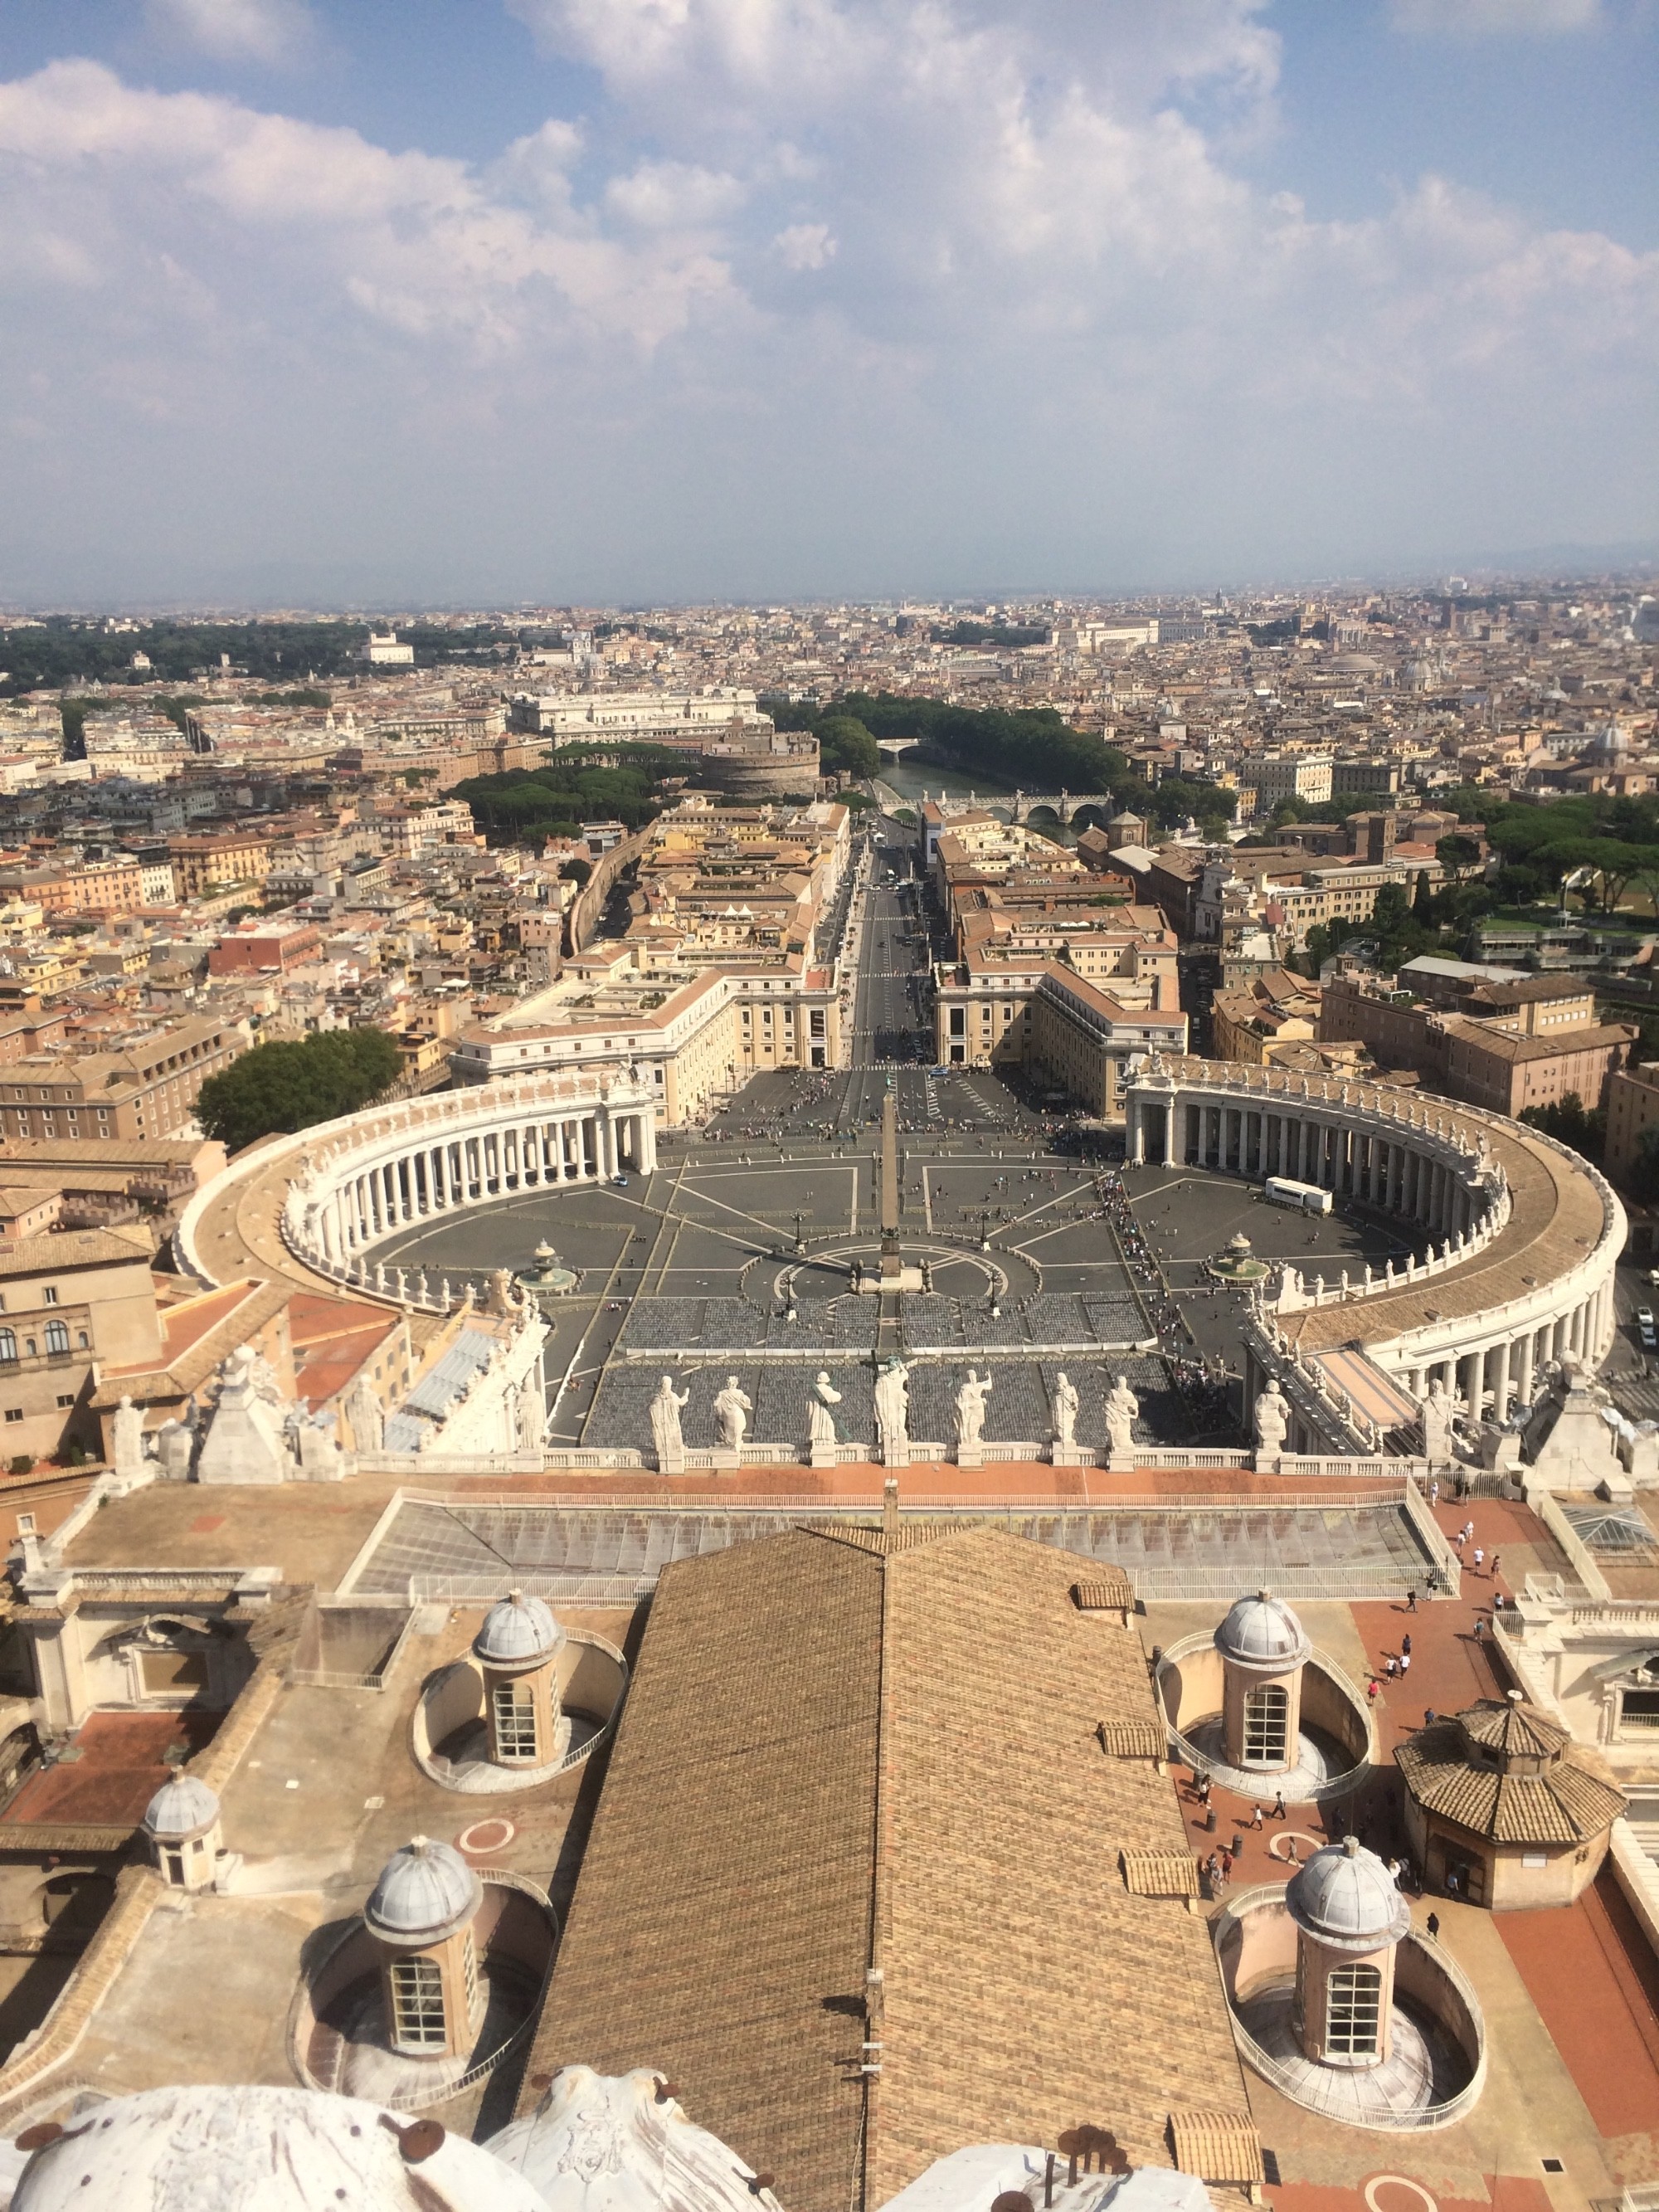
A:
(1494, 19)
(594, 356)
(273, 32)
(804, 245)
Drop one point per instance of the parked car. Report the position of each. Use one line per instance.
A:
(1645, 1330)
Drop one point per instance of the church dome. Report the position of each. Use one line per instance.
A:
(425, 1890)
(181, 1807)
(619, 2142)
(518, 1631)
(265, 2149)
(1348, 1898)
(1262, 1631)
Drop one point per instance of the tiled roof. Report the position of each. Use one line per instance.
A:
(1215, 2146)
(743, 1875)
(1509, 1725)
(1132, 1736)
(1568, 1802)
(1109, 1589)
(1159, 1873)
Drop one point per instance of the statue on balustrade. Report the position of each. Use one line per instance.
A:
(1271, 1420)
(971, 1411)
(665, 1410)
(892, 1400)
(1436, 1418)
(1062, 1410)
(1121, 1407)
(820, 1421)
(732, 1410)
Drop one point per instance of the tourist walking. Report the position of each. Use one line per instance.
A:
(1279, 1812)
(1432, 1924)
(1479, 1557)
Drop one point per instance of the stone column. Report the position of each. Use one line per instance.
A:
(1500, 1382)
(1168, 1132)
(1136, 1143)
(1474, 1367)
(1524, 1386)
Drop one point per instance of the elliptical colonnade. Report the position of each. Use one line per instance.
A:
(1427, 1162)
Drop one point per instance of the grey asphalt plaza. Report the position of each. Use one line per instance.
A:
(696, 1270)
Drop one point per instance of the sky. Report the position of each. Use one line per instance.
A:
(468, 302)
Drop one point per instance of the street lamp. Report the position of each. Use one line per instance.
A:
(984, 1232)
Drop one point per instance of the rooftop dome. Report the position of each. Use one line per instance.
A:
(264, 2150)
(518, 1631)
(1262, 1631)
(1348, 1898)
(183, 1807)
(619, 2142)
(425, 1890)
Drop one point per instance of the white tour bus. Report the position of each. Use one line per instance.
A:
(1301, 1197)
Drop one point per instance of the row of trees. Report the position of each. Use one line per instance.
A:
(293, 1084)
(58, 654)
(1033, 748)
(526, 805)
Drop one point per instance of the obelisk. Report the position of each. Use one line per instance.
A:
(891, 1268)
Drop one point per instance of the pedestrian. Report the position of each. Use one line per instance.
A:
(1479, 1626)
(1213, 1867)
(1391, 1667)
(1279, 1805)
(1405, 1645)
(1289, 1851)
(1432, 1924)
(1495, 1557)
(1405, 1662)
(1256, 1817)
(1428, 1716)
(1411, 1601)
(1434, 1490)
(1479, 1557)
(1458, 1540)
(1468, 1531)
(1226, 1867)
(1371, 1689)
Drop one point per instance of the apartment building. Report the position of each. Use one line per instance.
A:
(1507, 1057)
(1261, 1021)
(208, 863)
(1632, 1103)
(69, 1301)
(1292, 775)
(147, 1088)
(107, 886)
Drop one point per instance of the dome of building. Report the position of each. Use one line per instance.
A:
(253, 2149)
(1348, 1898)
(518, 1631)
(183, 1806)
(1262, 1631)
(619, 2142)
(425, 1890)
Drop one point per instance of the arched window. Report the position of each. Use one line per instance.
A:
(56, 1336)
(1354, 2012)
(515, 1721)
(417, 2003)
(8, 1344)
(1266, 1724)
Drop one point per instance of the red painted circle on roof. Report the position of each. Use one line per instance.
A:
(485, 1836)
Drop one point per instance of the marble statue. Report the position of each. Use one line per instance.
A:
(1436, 1417)
(1271, 1420)
(820, 1421)
(317, 1446)
(175, 1448)
(530, 1413)
(129, 1425)
(665, 1410)
(364, 1411)
(971, 1411)
(893, 1408)
(1062, 1410)
(732, 1410)
(1121, 1406)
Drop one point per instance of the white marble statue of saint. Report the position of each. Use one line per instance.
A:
(732, 1410)
(129, 1425)
(820, 1421)
(366, 1414)
(665, 1410)
(1062, 1410)
(1436, 1418)
(1121, 1406)
(893, 1408)
(1272, 1419)
(971, 1411)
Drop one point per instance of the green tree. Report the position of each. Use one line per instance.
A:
(1641, 1179)
(575, 870)
(1569, 1124)
(845, 743)
(289, 1085)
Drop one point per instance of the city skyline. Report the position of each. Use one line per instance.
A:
(755, 302)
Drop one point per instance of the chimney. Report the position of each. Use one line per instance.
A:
(890, 1514)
